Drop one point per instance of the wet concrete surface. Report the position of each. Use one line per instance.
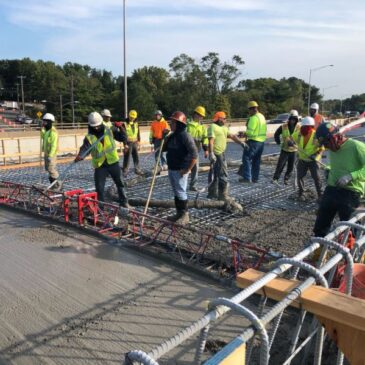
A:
(69, 298)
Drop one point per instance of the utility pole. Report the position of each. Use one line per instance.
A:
(125, 63)
(22, 88)
(72, 101)
(61, 111)
(17, 93)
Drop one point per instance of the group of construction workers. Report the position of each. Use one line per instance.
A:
(177, 146)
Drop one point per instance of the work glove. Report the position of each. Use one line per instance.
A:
(212, 157)
(118, 124)
(315, 157)
(344, 180)
(78, 158)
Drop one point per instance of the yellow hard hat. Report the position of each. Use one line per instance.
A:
(200, 110)
(133, 114)
(252, 104)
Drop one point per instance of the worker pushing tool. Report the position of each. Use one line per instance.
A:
(182, 155)
(200, 136)
(313, 112)
(256, 137)
(157, 128)
(217, 136)
(105, 159)
(107, 117)
(289, 131)
(309, 153)
(133, 143)
(49, 136)
(346, 178)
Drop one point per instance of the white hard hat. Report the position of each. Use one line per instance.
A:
(94, 119)
(307, 121)
(294, 113)
(315, 106)
(158, 112)
(48, 116)
(106, 113)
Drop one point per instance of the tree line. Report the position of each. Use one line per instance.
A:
(209, 81)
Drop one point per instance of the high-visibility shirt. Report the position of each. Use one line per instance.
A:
(49, 142)
(220, 134)
(318, 119)
(305, 150)
(104, 150)
(349, 159)
(198, 132)
(132, 131)
(286, 136)
(108, 124)
(256, 128)
(157, 127)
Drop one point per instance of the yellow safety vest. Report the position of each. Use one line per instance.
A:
(108, 124)
(310, 148)
(132, 131)
(50, 142)
(287, 136)
(105, 149)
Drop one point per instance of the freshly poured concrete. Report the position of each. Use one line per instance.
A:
(69, 298)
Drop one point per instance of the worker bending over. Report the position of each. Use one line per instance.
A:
(181, 158)
(289, 131)
(200, 136)
(217, 135)
(309, 153)
(133, 143)
(256, 137)
(105, 159)
(49, 136)
(346, 178)
(156, 136)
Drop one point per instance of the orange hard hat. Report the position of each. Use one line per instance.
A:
(219, 115)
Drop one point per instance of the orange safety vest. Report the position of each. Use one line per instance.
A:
(318, 119)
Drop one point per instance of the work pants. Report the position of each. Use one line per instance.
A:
(179, 184)
(251, 160)
(302, 169)
(100, 175)
(50, 164)
(220, 176)
(156, 145)
(132, 150)
(285, 157)
(335, 201)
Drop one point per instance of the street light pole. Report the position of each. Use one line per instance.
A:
(22, 88)
(17, 93)
(309, 83)
(61, 111)
(125, 62)
(72, 101)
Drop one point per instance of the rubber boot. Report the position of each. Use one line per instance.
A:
(138, 171)
(213, 191)
(183, 213)
(223, 191)
(173, 218)
(56, 184)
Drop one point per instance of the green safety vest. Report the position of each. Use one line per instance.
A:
(287, 136)
(105, 149)
(256, 128)
(132, 131)
(50, 142)
(198, 132)
(310, 148)
(108, 124)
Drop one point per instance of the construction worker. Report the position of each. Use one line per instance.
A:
(200, 136)
(217, 136)
(107, 116)
(309, 153)
(133, 143)
(49, 137)
(289, 131)
(346, 178)
(313, 112)
(256, 137)
(157, 127)
(105, 159)
(182, 155)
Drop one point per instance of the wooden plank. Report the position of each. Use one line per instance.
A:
(232, 354)
(327, 303)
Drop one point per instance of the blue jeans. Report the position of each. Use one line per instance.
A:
(251, 160)
(156, 147)
(179, 184)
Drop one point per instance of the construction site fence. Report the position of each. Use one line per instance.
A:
(334, 255)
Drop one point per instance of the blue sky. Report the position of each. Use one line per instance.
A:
(275, 38)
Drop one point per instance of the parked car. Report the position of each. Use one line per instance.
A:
(280, 119)
(27, 120)
(351, 114)
(19, 118)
